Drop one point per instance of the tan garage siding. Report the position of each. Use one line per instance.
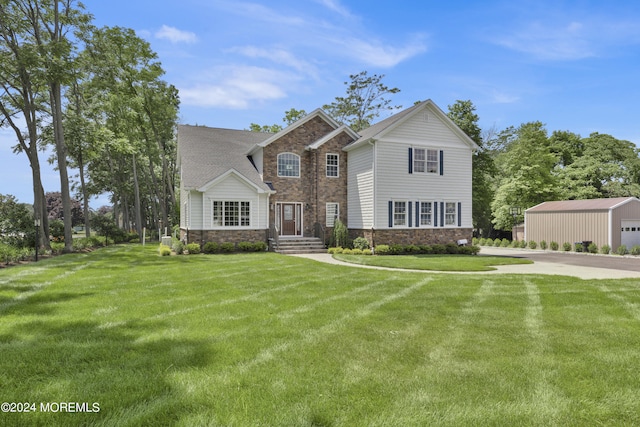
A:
(561, 227)
(597, 220)
(626, 211)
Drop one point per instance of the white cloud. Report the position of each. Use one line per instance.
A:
(236, 88)
(379, 54)
(335, 6)
(175, 35)
(570, 40)
(278, 56)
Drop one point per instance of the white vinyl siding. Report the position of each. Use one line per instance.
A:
(394, 182)
(360, 186)
(231, 189)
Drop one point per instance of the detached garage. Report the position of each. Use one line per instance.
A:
(612, 222)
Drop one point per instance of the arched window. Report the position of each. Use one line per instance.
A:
(288, 165)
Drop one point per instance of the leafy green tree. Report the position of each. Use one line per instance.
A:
(16, 222)
(526, 174)
(365, 99)
(606, 167)
(291, 116)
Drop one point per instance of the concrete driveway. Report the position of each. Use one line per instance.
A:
(583, 266)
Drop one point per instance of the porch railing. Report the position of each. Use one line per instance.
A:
(274, 237)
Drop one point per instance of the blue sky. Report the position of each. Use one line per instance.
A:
(573, 65)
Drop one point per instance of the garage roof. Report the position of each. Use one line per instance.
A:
(581, 205)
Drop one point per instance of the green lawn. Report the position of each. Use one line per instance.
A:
(433, 262)
(265, 339)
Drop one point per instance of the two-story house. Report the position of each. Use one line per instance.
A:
(406, 179)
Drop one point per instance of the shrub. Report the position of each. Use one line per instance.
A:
(259, 247)
(605, 249)
(193, 248)
(532, 244)
(578, 247)
(178, 247)
(497, 243)
(468, 250)
(210, 248)
(356, 251)
(383, 250)
(340, 234)
(227, 247)
(412, 249)
(347, 251)
(451, 248)
(514, 244)
(622, 250)
(505, 243)
(566, 246)
(543, 245)
(438, 249)
(475, 241)
(165, 250)
(360, 243)
(366, 252)
(592, 248)
(396, 249)
(425, 249)
(554, 246)
(245, 247)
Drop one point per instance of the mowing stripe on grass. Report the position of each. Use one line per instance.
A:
(310, 336)
(442, 354)
(37, 287)
(633, 308)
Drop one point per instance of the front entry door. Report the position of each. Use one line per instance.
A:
(290, 218)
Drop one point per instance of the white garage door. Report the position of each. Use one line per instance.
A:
(630, 233)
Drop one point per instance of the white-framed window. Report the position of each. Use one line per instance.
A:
(333, 169)
(288, 165)
(399, 214)
(450, 213)
(333, 212)
(426, 213)
(425, 160)
(227, 213)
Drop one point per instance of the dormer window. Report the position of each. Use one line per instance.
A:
(288, 165)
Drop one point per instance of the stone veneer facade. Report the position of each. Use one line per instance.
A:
(313, 188)
(223, 236)
(416, 236)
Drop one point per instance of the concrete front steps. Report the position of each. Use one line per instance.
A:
(300, 245)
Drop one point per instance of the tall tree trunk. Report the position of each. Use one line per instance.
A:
(136, 192)
(61, 152)
(85, 197)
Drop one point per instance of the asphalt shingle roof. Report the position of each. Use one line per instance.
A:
(207, 153)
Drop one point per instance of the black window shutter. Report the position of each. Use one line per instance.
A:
(441, 162)
(442, 214)
(390, 214)
(435, 214)
(410, 214)
(417, 214)
(410, 160)
(459, 214)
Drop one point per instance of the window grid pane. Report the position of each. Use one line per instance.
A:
(332, 165)
(399, 213)
(332, 212)
(432, 161)
(288, 165)
(425, 213)
(450, 213)
(245, 214)
(419, 160)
